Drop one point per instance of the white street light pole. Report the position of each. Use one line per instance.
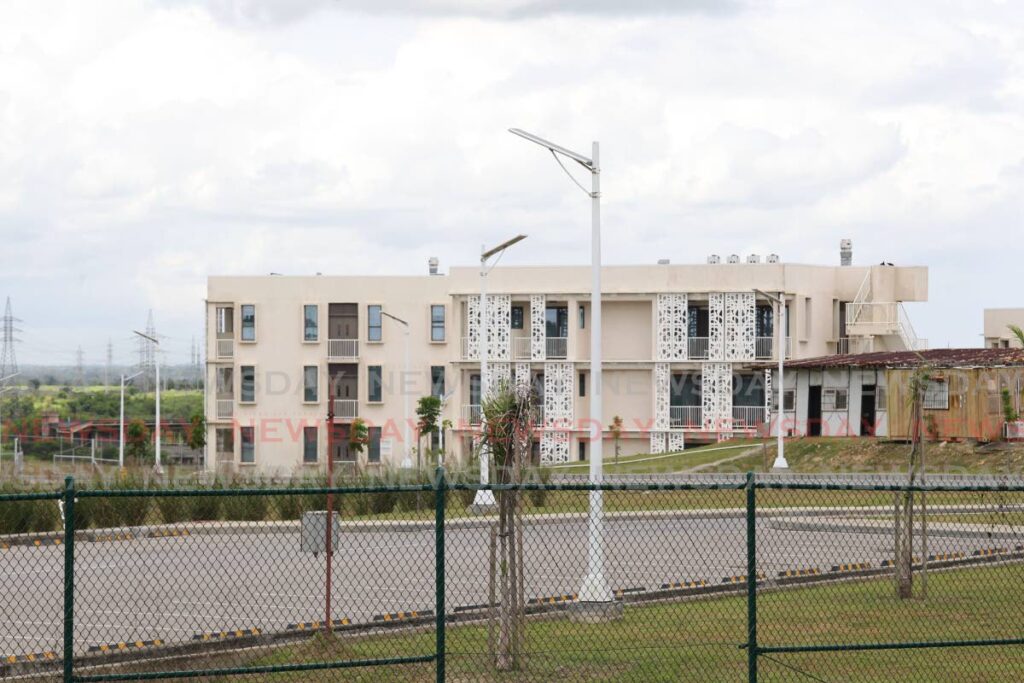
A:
(4, 379)
(780, 454)
(120, 445)
(484, 499)
(405, 390)
(156, 361)
(595, 587)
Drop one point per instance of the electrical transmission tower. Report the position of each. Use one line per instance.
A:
(147, 354)
(110, 362)
(80, 367)
(8, 358)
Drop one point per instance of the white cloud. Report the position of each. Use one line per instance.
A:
(145, 144)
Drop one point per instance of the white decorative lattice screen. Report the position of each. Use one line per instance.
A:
(716, 326)
(499, 326)
(662, 395)
(716, 395)
(670, 327)
(522, 374)
(768, 397)
(657, 442)
(739, 326)
(554, 447)
(676, 441)
(472, 350)
(538, 327)
(499, 373)
(558, 395)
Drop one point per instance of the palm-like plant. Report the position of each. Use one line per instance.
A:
(1017, 332)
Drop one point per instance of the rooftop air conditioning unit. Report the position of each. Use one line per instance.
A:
(754, 258)
(714, 258)
(773, 258)
(734, 258)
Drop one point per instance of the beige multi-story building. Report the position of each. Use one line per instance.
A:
(680, 344)
(997, 327)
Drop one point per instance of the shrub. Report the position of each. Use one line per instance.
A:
(204, 508)
(245, 508)
(173, 509)
(27, 516)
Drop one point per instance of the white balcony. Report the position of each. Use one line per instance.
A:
(521, 349)
(225, 348)
(747, 417)
(225, 408)
(686, 417)
(346, 409)
(557, 347)
(343, 349)
(471, 413)
(697, 348)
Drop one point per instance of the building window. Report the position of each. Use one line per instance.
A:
(437, 380)
(936, 395)
(881, 399)
(788, 400)
(556, 319)
(248, 322)
(373, 448)
(835, 400)
(310, 324)
(309, 444)
(225, 444)
(583, 450)
(225, 321)
(248, 394)
(583, 385)
(436, 323)
(583, 317)
(248, 439)
(374, 330)
(517, 317)
(310, 383)
(374, 382)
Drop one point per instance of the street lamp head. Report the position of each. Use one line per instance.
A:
(502, 247)
(557, 149)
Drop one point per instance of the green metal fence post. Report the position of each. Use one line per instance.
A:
(752, 652)
(69, 577)
(439, 579)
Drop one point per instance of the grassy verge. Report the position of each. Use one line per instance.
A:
(700, 640)
(647, 463)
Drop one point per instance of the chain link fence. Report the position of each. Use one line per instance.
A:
(725, 579)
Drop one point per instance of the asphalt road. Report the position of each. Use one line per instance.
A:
(174, 588)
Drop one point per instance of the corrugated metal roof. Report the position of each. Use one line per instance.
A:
(939, 358)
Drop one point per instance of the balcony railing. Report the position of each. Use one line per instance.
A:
(471, 414)
(521, 349)
(225, 348)
(747, 416)
(686, 416)
(763, 348)
(346, 408)
(225, 408)
(557, 347)
(842, 346)
(697, 347)
(343, 348)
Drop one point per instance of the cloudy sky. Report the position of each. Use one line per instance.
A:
(145, 145)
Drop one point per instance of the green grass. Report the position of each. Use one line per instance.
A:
(700, 639)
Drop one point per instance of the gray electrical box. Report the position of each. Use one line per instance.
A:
(314, 532)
